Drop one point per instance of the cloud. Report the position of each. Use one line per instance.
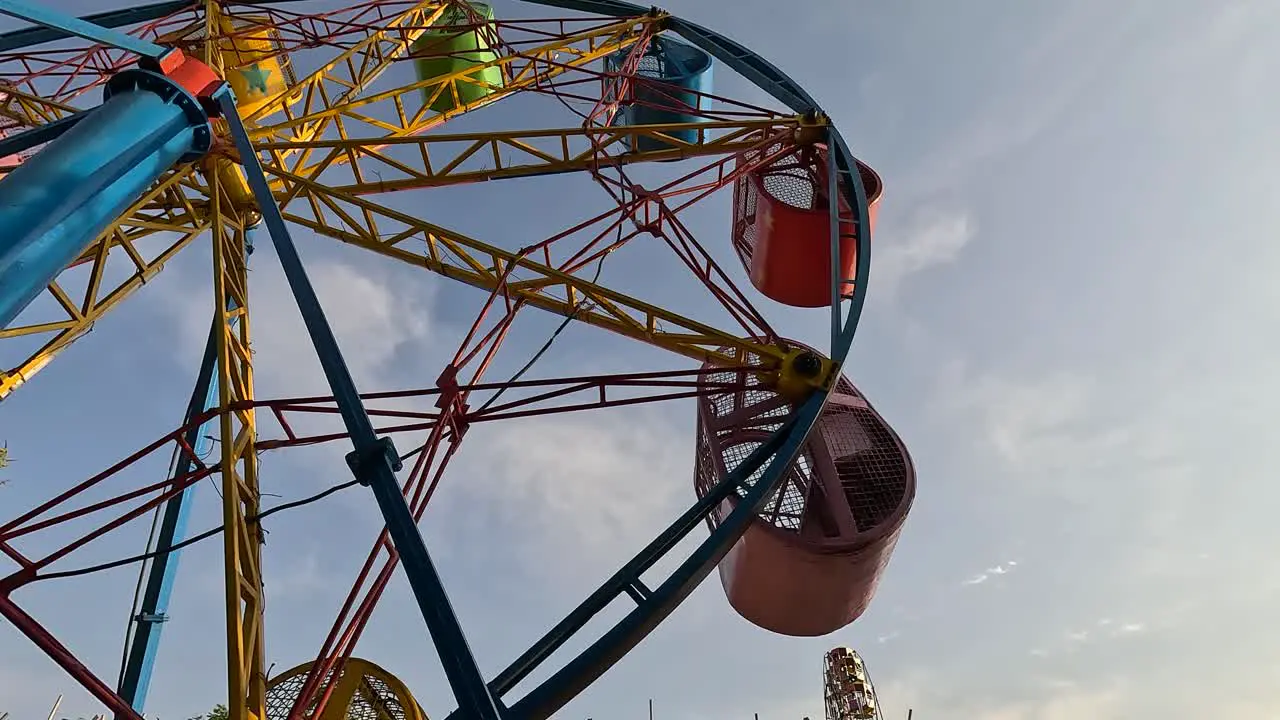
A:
(371, 318)
(1104, 630)
(590, 485)
(301, 579)
(1025, 99)
(1065, 431)
(376, 320)
(1068, 702)
(1028, 423)
(934, 239)
(1048, 699)
(1002, 569)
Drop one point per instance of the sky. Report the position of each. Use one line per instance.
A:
(1067, 325)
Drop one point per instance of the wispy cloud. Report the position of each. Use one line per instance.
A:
(1074, 639)
(370, 317)
(1054, 698)
(991, 572)
(1130, 628)
(1078, 636)
(594, 486)
(931, 240)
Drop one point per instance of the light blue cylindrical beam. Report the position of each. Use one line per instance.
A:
(57, 202)
(144, 644)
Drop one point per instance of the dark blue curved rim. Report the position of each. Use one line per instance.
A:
(653, 606)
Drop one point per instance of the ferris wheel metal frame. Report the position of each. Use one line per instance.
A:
(373, 460)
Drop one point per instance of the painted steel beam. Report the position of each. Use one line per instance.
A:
(373, 461)
(482, 265)
(26, 37)
(27, 139)
(86, 300)
(531, 68)
(153, 610)
(453, 159)
(341, 80)
(237, 440)
(83, 28)
(31, 111)
(614, 8)
(759, 71)
(63, 197)
(740, 59)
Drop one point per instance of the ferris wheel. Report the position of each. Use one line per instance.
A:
(198, 126)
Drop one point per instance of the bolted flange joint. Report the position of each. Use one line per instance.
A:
(361, 461)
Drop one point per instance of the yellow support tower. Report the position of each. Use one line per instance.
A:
(242, 536)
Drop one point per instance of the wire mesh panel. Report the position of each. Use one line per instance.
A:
(782, 226)
(361, 691)
(813, 559)
(669, 84)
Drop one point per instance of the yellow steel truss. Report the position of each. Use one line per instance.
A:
(31, 110)
(292, 127)
(334, 93)
(181, 220)
(242, 537)
(449, 159)
(530, 68)
(482, 265)
(309, 107)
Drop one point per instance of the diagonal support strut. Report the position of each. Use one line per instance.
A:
(374, 461)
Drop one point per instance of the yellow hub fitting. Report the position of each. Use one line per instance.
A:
(802, 372)
(811, 129)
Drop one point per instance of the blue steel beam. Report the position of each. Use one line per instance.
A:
(833, 229)
(27, 139)
(855, 193)
(611, 8)
(58, 201)
(627, 579)
(739, 58)
(135, 676)
(655, 605)
(26, 37)
(83, 28)
(374, 461)
(16, 39)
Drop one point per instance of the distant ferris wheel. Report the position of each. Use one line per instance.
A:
(847, 689)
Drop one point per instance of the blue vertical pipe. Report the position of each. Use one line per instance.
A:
(57, 202)
(135, 677)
